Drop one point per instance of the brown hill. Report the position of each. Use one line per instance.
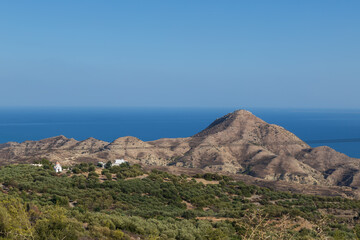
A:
(237, 143)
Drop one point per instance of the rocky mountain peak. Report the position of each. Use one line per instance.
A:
(233, 121)
(244, 113)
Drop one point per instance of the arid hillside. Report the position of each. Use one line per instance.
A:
(237, 143)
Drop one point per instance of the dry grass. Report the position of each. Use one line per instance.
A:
(257, 226)
(206, 182)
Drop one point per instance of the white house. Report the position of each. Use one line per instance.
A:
(57, 167)
(118, 162)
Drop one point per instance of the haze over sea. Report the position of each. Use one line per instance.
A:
(21, 124)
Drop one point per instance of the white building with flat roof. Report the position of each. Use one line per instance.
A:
(118, 162)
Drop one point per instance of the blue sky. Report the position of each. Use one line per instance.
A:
(280, 54)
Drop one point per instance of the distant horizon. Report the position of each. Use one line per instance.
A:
(180, 107)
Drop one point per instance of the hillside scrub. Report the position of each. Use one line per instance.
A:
(37, 203)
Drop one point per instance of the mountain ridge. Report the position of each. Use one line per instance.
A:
(237, 143)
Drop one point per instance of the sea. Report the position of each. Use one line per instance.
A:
(339, 129)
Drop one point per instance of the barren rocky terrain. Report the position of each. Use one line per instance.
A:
(238, 144)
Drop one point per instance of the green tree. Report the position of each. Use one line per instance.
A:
(14, 220)
(76, 170)
(108, 165)
(108, 176)
(55, 225)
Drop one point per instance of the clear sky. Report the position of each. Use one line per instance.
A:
(301, 53)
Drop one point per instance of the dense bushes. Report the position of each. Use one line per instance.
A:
(125, 171)
(212, 177)
(20, 221)
(38, 204)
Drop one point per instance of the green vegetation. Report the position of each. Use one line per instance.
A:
(124, 202)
